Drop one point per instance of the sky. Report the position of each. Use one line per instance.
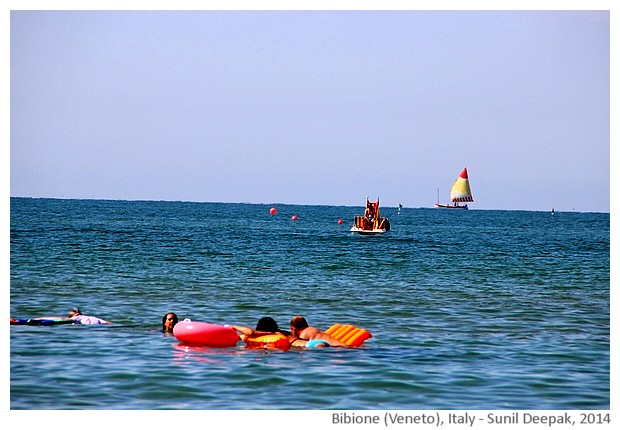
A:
(319, 107)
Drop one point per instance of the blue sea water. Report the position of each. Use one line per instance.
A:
(468, 309)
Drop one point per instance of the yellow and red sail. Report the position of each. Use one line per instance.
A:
(460, 191)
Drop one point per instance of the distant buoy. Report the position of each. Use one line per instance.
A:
(273, 211)
(340, 221)
(294, 217)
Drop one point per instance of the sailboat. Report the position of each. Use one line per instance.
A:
(459, 193)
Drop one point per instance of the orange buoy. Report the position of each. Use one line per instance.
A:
(340, 221)
(294, 217)
(273, 211)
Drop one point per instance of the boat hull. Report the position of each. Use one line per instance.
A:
(439, 205)
(374, 231)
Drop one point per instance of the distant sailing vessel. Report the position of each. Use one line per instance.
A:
(371, 222)
(459, 193)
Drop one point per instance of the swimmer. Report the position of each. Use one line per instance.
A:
(265, 325)
(268, 325)
(168, 322)
(266, 335)
(300, 330)
(76, 316)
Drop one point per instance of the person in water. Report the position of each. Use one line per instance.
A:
(267, 335)
(76, 316)
(301, 331)
(168, 322)
(265, 325)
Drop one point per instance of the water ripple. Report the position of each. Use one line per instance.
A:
(508, 311)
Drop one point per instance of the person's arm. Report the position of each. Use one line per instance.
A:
(243, 330)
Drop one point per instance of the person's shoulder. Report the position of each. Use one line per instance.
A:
(310, 332)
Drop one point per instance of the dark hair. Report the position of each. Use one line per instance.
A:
(175, 320)
(299, 322)
(267, 324)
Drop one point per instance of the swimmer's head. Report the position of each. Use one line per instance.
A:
(267, 324)
(299, 323)
(169, 321)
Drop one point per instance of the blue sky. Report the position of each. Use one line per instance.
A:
(312, 107)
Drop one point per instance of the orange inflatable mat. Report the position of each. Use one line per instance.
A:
(348, 334)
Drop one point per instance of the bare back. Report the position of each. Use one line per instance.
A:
(311, 333)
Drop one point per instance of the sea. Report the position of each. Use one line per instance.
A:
(468, 309)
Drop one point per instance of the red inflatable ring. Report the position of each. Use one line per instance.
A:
(205, 334)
